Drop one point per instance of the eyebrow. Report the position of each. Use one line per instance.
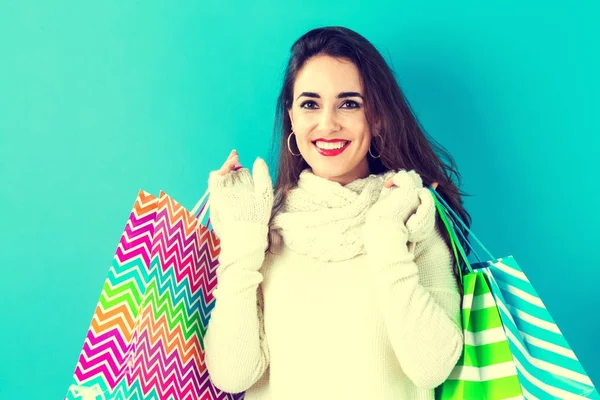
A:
(342, 95)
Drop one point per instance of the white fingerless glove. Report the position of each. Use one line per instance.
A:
(241, 204)
(396, 204)
(404, 213)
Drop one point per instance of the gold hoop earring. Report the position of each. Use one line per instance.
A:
(288, 144)
(379, 136)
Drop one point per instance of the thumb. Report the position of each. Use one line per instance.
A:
(262, 180)
(422, 222)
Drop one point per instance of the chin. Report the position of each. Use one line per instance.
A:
(332, 173)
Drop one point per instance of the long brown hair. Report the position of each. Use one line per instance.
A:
(406, 144)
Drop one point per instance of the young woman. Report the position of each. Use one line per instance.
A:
(339, 282)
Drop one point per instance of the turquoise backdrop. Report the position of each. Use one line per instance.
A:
(98, 100)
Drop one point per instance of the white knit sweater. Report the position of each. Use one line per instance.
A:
(323, 318)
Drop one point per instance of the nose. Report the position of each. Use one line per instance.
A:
(328, 121)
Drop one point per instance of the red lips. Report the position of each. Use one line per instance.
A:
(330, 140)
(332, 152)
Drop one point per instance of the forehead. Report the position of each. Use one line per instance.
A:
(328, 76)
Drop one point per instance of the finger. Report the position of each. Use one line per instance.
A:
(226, 163)
(229, 165)
(232, 160)
(230, 156)
(235, 160)
(217, 178)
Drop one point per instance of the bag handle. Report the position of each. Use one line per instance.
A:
(457, 218)
(453, 239)
(201, 207)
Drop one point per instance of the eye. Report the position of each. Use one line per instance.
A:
(356, 104)
(307, 102)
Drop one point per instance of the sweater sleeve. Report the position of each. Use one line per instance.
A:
(420, 301)
(236, 350)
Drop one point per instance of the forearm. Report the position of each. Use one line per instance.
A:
(235, 348)
(424, 335)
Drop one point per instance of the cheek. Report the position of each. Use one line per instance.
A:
(363, 146)
(300, 140)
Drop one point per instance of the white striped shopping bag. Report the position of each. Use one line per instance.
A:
(486, 369)
(546, 366)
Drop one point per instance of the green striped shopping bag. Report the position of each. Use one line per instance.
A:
(486, 370)
(546, 367)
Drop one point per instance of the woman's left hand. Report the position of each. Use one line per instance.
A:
(398, 200)
(404, 203)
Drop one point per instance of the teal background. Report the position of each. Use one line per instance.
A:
(98, 100)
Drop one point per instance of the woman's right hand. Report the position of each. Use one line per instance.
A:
(237, 198)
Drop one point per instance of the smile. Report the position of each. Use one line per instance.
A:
(330, 150)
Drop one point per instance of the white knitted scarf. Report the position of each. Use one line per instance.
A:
(322, 218)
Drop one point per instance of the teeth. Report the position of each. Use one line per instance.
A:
(330, 146)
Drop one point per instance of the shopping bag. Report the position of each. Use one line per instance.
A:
(546, 365)
(102, 368)
(485, 370)
(145, 340)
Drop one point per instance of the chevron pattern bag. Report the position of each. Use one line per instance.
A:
(145, 341)
(545, 365)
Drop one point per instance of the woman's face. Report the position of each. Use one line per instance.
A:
(328, 104)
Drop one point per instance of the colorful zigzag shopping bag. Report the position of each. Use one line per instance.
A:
(546, 366)
(145, 341)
